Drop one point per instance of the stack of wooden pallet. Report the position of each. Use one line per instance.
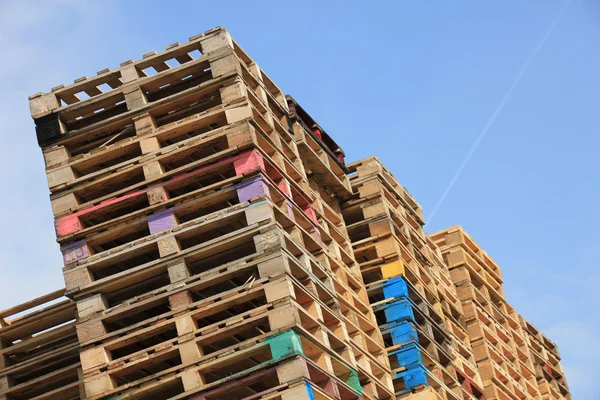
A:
(513, 358)
(546, 361)
(217, 246)
(39, 352)
(202, 236)
(409, 288)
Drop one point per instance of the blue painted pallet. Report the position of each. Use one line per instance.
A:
(400, 318)
(412, 378)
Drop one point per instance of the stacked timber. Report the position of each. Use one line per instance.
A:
(409, 289)
(217, 246)
(549, 373)
(202, 237)
(39, 351)
(515, 361)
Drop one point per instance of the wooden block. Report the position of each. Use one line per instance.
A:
(279, 290)
(369, 166)
(191, 379)
(234, 91)
(56, 155)
(332, 389)
(157, 194)
(178, 272)
(6, 382)
(369, 188)
(64, 203)
(454, 238)
(98, 384)
(190, 352)
(454, 258)
(134, 97)
(168, 246)
(90, 330)
(185, 325)
(93, 358)
(459, 275)
(261, 93)
(239, 138)
(374, 209)
(439, 309)
(129, 72)
(382, 227)
(153, 169)
(149, 145)
(272, 267)
(4, 362)
(386, 248)
(161, 221)
(363, 362)
(76, 251)
(465, 292)
(91, 305)
(67, 224)
(252, 188)
(310, 213)
(238, 113)
(268, 241)
(216, 40)
(60, 176)
(289, 208)
(393, 269)
(180, 300)
(296, 235)
(283, 317)
(302, 391)
(145, 124)
(42, 104)
(75, 278)
(259, 212)
(292, 370)
(249, 162)
(285, 187)
(324, 361)
(224, 65)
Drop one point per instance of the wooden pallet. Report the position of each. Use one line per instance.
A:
(389, 242)
(298, 378)
(174, 188)
(419, 314)
(366, 169)
(456, 236)
(163, 229)
(239, 359)
(506, 353)
(39, 350)
(385, 255)
(319, 153)
(122, 93)
(377, 209)
(545, 359)
(160, 169)
(168, 297)
(146, 303)
(219, 186)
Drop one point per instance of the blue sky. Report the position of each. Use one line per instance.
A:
(413, 83)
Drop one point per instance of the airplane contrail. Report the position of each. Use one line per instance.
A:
(499, 108)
